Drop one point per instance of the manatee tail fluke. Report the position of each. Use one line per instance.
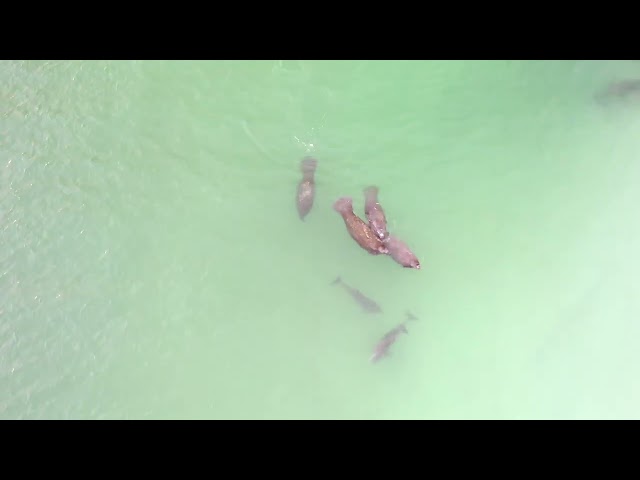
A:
(337, 280)
(308, 165)
(343, 205)
(371, 192)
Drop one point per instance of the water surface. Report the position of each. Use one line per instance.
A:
(154, 265)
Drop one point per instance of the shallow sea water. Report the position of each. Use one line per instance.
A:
(154, 265)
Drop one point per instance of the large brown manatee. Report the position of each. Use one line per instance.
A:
(357, 228)
(307, 186)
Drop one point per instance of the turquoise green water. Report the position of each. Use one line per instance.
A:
(153, 264)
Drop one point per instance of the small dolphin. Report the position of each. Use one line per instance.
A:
(382, 348)
(365, 302)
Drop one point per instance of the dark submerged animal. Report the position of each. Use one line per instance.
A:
(357, 228)
(365, 302)
(306, 186)
(374, 213)
(401, 253)
(621, 89)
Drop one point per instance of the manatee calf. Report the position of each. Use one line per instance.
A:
(306, 186)
(374, 213)
(357, 228)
